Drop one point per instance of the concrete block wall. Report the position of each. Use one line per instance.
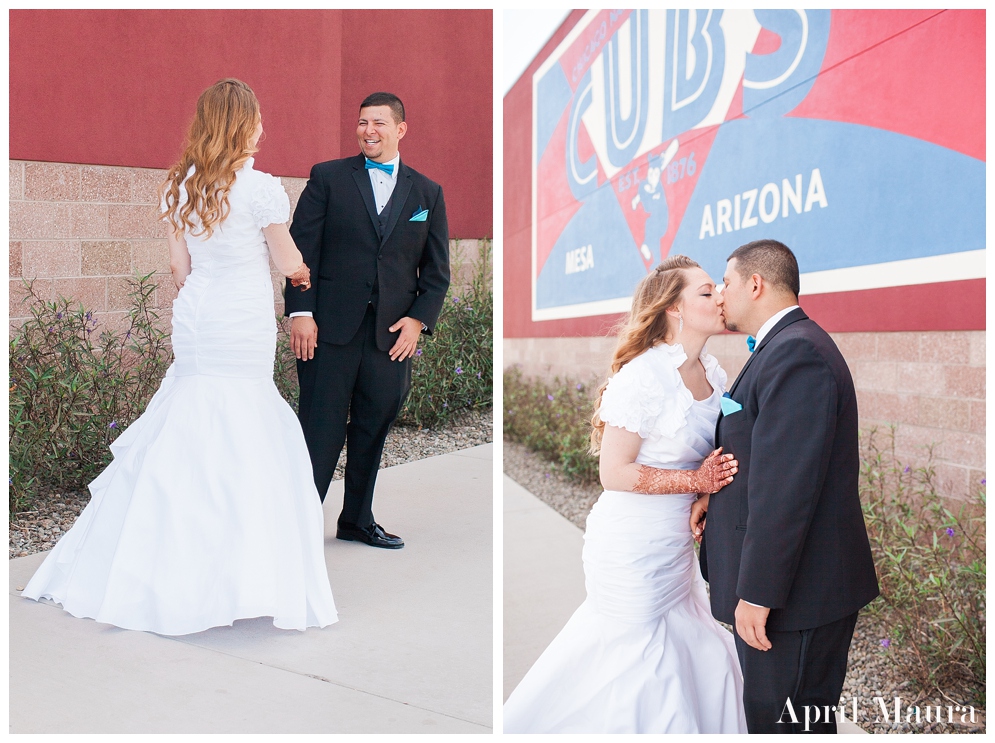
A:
(930, 385)
(81, 231)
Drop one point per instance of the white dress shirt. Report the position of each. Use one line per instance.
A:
(772, 321)
(383, 184)
(383, 188)
(764, 329)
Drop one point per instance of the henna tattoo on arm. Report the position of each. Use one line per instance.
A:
(714, 474)
(653, 481)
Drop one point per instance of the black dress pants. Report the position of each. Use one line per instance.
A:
(806, 666)
(358, 383)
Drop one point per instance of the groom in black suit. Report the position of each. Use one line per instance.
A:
(785, 550)
(373, 232)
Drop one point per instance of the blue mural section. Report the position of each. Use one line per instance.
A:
(878, 196)
(594, 257)
(712, 132)
(777, 82)
(553, 95)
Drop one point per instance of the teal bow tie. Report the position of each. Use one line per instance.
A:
(387, 168)
(751, 343)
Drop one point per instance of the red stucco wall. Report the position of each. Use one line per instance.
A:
(119, 87)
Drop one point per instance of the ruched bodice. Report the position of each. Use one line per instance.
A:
(223, 318)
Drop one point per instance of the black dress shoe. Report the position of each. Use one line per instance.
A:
(373, 535)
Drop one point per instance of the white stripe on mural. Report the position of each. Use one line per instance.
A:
(929, 270)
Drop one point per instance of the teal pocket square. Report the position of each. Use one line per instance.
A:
(421, 216)
(730, 406)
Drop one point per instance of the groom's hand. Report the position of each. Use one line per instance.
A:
(698, 510)
(407, 341)
(751, 625)
(303, 337)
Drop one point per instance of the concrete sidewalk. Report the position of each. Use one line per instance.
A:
(412, 651)
(543, 581)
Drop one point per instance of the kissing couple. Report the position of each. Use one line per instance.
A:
(211, 510)
(783, 546)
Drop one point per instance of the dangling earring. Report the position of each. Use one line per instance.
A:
(680, 325)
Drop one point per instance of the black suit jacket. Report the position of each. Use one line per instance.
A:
(335, 228)
(788, 533)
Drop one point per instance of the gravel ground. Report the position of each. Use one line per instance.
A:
(870, 673)
(38, 530)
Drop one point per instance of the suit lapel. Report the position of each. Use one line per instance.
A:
(401, 189)
(791, 317)
(362, 179)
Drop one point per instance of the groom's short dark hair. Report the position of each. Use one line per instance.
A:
(385, 99)
(773, 260)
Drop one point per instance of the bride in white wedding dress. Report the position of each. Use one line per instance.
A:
(208, 512)
(643, 654)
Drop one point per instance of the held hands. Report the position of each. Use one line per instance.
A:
(407, 341)
(715, 472)
(301, 277)
(751, 625)
(303, 337)
(698, 510)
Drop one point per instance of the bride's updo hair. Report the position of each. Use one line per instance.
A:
(646, 325)
(217, 147)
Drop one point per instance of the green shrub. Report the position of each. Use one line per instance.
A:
(930, 557)
(75, 386)
(552, 418)
(74, 389)
(452, 371)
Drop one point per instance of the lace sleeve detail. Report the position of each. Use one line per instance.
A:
(270, 203)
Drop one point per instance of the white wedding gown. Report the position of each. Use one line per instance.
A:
(208, 512)
(642, 654)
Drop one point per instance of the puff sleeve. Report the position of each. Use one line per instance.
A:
(646, 395)
(270, 203)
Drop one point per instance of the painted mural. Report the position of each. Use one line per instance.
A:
(695, 131)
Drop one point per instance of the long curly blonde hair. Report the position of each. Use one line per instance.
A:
(646, 325)
(217, 147)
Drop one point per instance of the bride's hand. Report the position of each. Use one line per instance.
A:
(698, 510)
(715, 472)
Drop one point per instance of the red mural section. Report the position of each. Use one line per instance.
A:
(114, 87)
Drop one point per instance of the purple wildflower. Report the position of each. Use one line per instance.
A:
(455, 300)
(886, 643)
(58, 315)
(478, 375)
(580, 386)
(445, 404)
(950, 531)
(547, 474)
(983, 480)
(113, 424)
(418, 352)
(906, 468)
(459, 370)
(549, 397)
